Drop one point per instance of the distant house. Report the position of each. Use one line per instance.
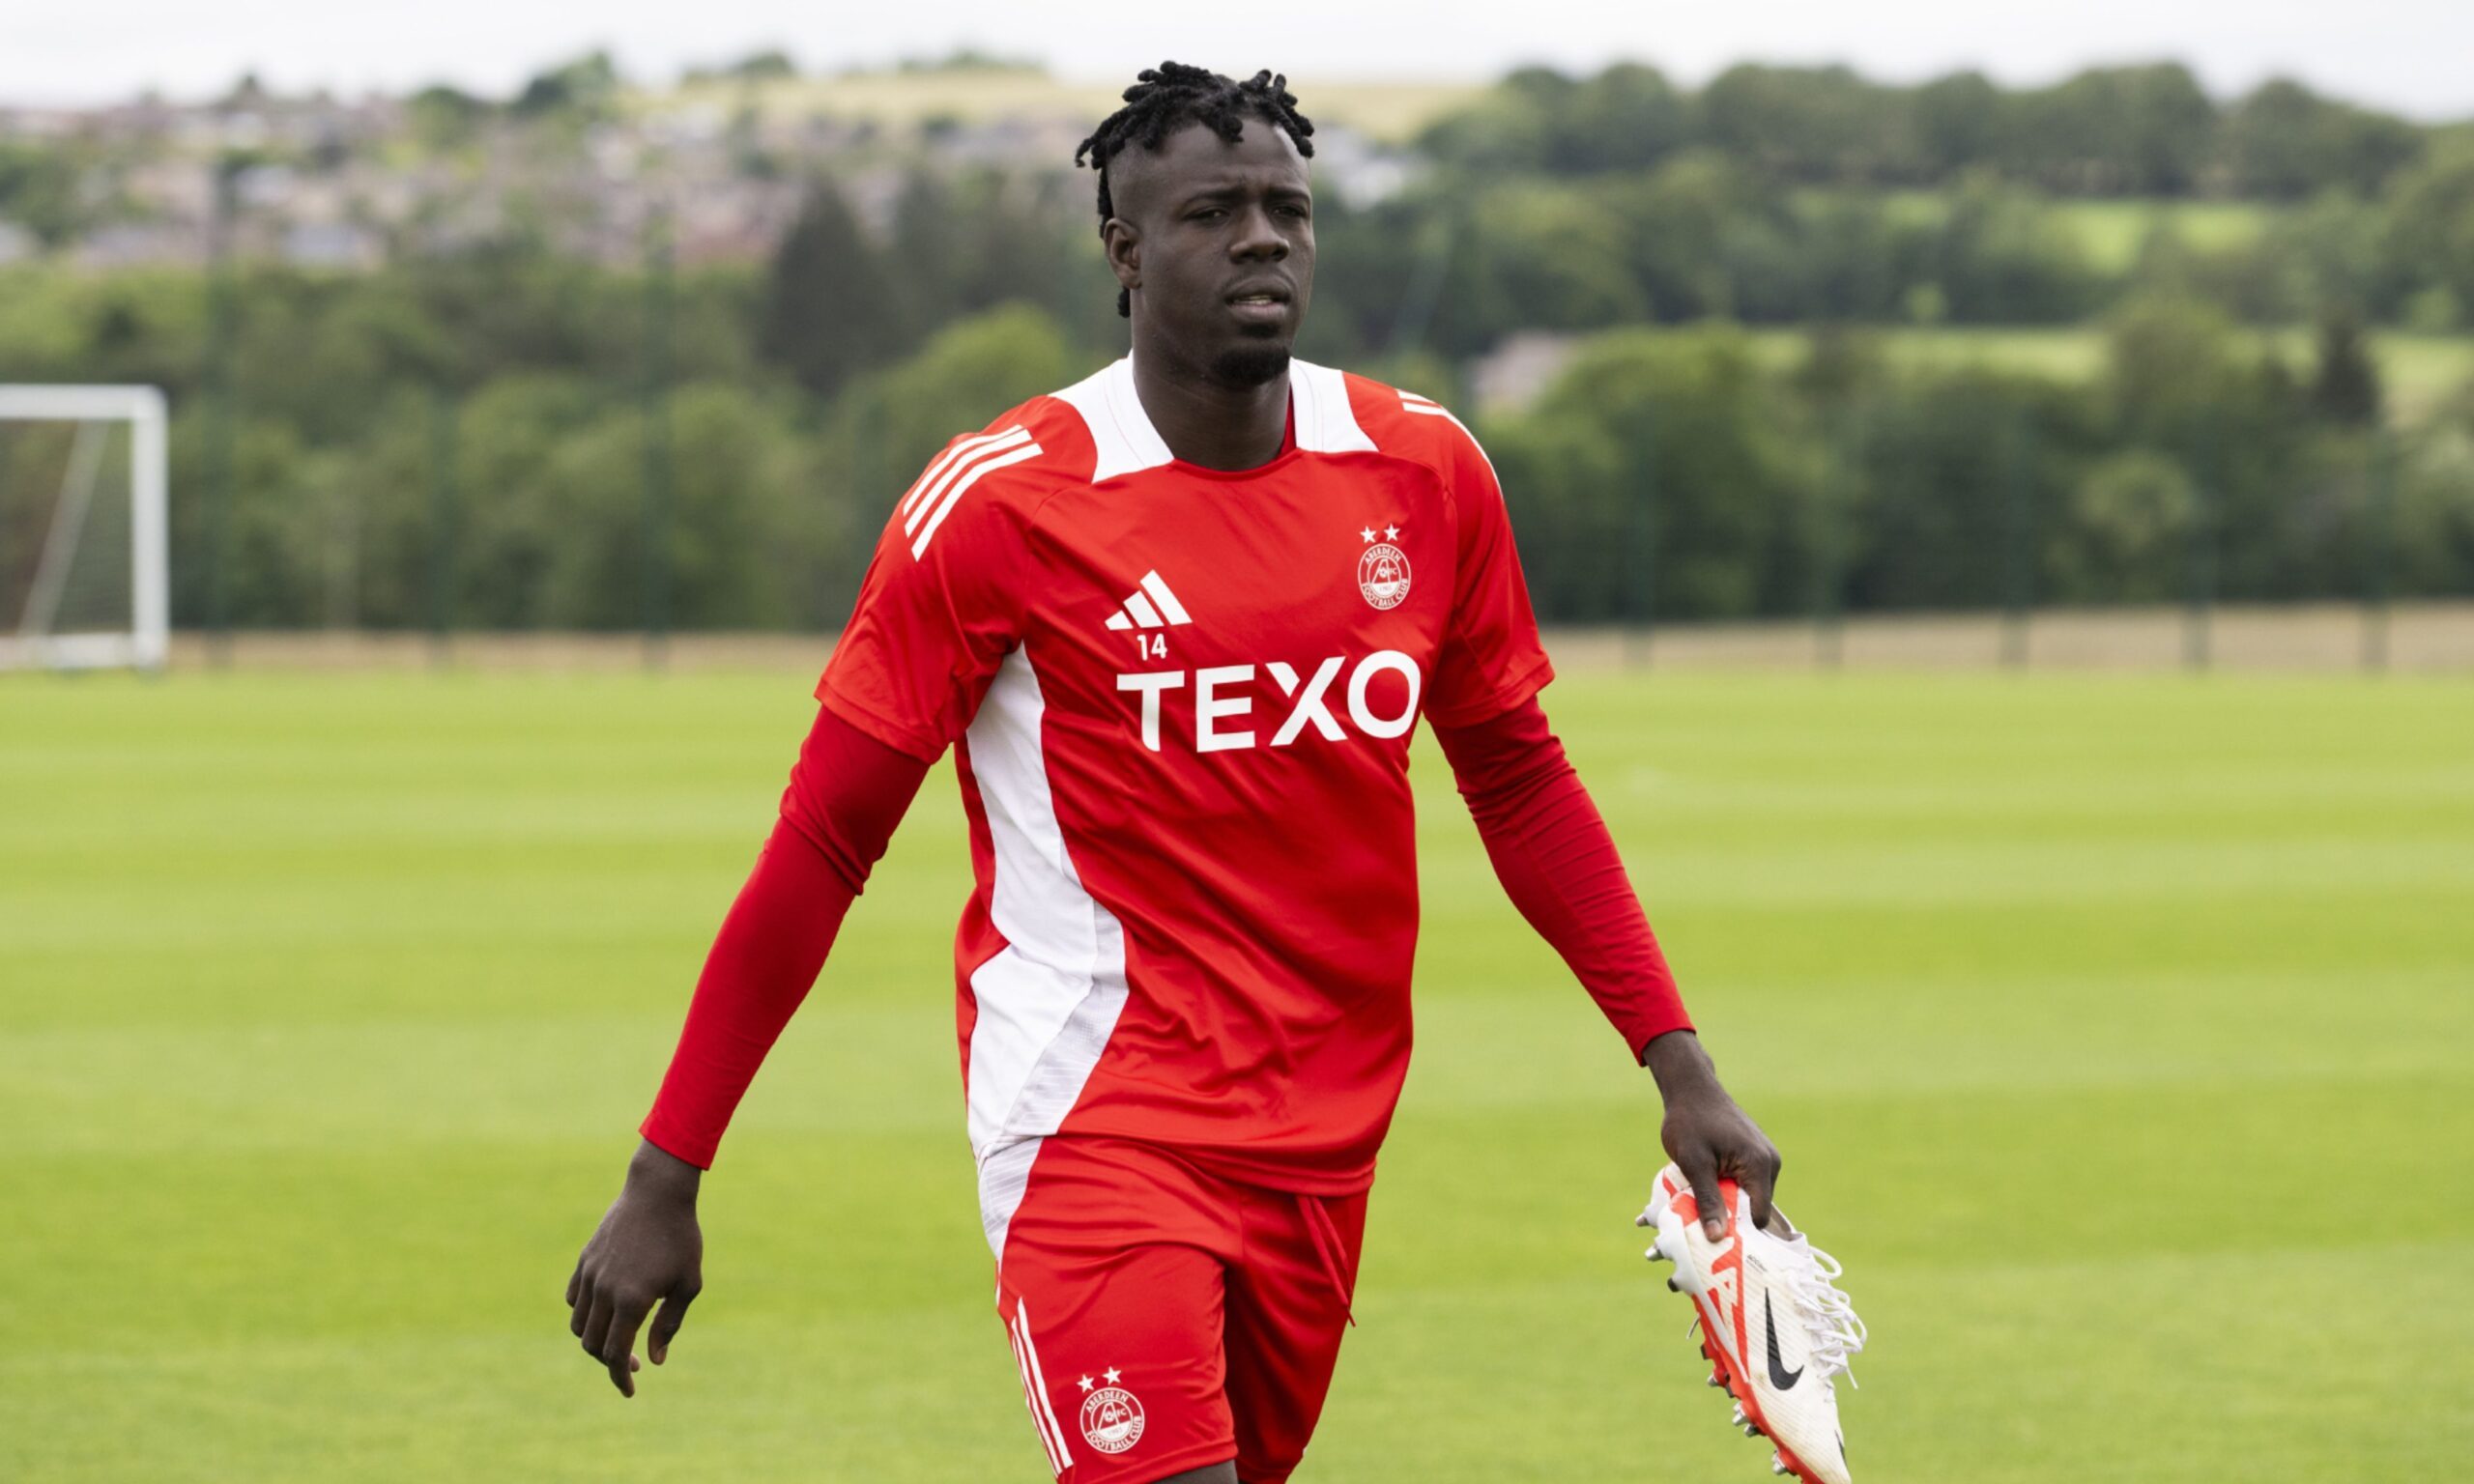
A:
(332, 244)
(135, 244)
(1518, 370)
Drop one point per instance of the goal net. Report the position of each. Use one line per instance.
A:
(84, 570)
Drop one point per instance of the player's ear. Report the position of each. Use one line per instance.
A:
(1123, 242)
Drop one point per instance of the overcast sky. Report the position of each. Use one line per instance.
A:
(2415, 56)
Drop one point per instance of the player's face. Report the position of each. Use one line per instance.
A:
(1217, 240)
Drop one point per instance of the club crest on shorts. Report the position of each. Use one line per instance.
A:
(1382, 569)
(1112, 1418)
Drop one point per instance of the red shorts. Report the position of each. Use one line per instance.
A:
(1165, 1318)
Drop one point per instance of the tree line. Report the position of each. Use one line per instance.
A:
(1675, 475)
(2141, 130)
(471, 449)
(498, 438)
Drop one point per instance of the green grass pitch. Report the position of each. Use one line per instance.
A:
(2116, 1030)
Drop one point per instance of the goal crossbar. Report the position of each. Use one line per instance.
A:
(25, 641)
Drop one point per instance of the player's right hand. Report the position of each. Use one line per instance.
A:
(648, 1251)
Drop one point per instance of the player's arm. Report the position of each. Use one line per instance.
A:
(937, 612)
(1551, 850)
(847, 793)
(1547, 841)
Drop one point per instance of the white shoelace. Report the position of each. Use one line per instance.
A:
(1833, 1332)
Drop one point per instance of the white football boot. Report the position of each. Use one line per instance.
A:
(1773, 1323)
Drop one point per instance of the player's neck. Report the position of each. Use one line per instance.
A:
(1206, 423)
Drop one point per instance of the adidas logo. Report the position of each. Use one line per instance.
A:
(1151, 607)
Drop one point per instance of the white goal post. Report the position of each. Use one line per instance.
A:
(135, 632)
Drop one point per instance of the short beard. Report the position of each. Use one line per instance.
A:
(1250, 365)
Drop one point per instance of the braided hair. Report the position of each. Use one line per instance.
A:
(1172, 95)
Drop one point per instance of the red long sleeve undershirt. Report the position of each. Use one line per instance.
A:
(847, 793)
(1559, 866)
(1550, 846)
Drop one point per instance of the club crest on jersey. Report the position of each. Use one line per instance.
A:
(1382, 569)
(1112, 1418)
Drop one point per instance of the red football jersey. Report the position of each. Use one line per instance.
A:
(1184, 698)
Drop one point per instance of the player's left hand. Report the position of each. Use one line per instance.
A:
(1707, 1135)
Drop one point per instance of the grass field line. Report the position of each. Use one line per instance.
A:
(2114, 1029)
(142, 1092)
(288, 816)
(2097, 794)
(1604, 1355)
(1524, 984)
(451, 898)
(1624, 1277)
(2051, 871)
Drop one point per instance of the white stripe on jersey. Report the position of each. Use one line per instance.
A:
(1325, 421)
(1050, 999)
(1123, 440)
(953, 497)
(1411, 401)
(944, 460)
(932, 488)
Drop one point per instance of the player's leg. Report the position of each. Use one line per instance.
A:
(1287, 1308)
(1111, 1288)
